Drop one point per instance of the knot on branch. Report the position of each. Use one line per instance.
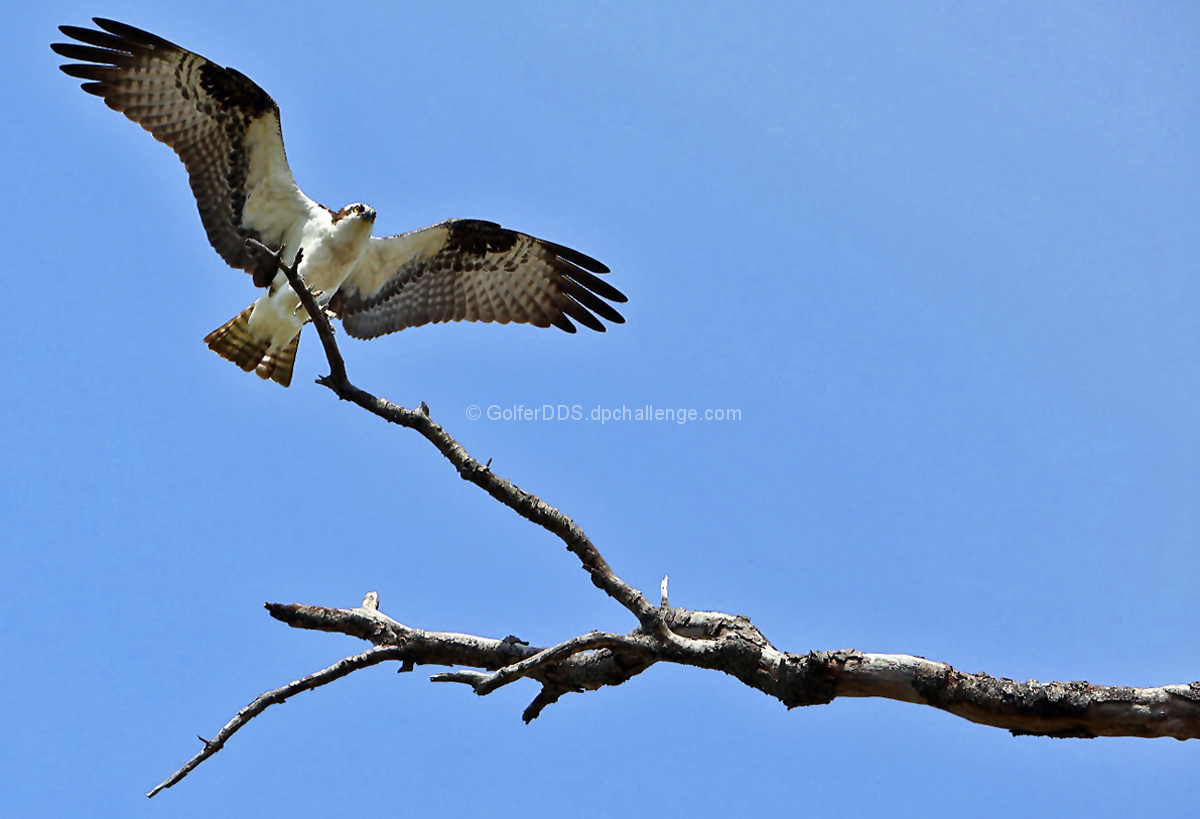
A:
(811, 679)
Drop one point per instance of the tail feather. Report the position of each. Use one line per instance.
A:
(234, 342)
(278, 366)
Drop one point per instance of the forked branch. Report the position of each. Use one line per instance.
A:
(709, 640)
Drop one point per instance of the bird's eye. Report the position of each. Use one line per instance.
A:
(358, 208)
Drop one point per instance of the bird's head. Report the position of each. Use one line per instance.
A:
(356, 211)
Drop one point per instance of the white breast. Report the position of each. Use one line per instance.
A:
(330, 252)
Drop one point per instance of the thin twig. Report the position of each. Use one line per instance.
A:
(374, 656)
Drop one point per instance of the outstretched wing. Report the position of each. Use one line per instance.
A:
(469, 270)
(223, 126)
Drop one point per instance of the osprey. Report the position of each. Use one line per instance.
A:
(226, 130)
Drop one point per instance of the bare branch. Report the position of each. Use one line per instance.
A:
(732, 644)
(525, 504)
(710, 640)
(487, 683)
(578, 663)
(1055, 709)
(334, 672)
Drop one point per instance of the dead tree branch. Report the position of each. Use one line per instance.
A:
(733, 645)
(709, 640)
(525, 504)
(335, 672)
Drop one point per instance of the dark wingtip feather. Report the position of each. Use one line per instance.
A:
(85, 71)
(597, 286)
(573, 309)
(76, 32)
(591, 301)
(575, 257)
(563, 323)
(108, 42)
(609, 314)
(89, 53)
(119, 39)
(132, 33)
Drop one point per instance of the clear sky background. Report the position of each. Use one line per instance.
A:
(943, 258)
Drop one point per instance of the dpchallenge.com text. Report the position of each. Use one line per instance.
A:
(605, 415)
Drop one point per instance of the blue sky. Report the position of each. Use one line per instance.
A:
(942, 257)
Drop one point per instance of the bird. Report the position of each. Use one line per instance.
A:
(226, 130)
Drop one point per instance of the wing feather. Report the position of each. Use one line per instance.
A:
(222, 126)
(471, 270)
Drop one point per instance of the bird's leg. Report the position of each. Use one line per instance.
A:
(319, 296)
(323, 303)
(321, 299)
(329, 314)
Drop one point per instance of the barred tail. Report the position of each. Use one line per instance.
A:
(234, 342)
